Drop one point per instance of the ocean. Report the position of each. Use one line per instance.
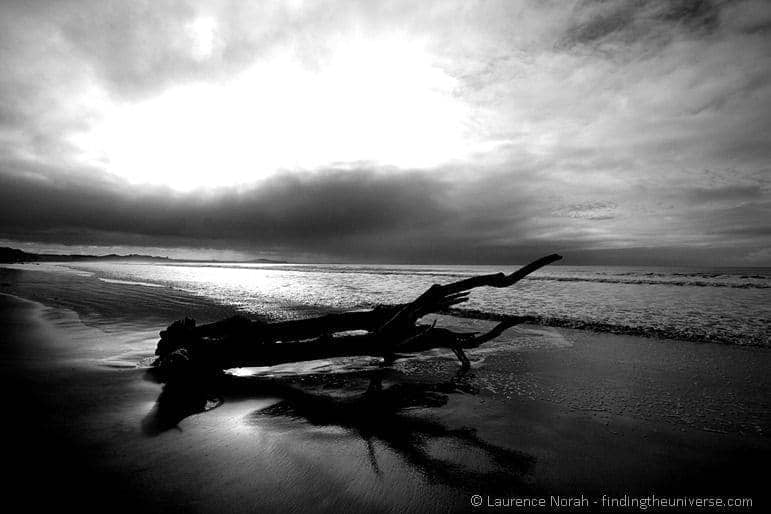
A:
(721, 305)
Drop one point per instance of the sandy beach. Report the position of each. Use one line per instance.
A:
(595, 414)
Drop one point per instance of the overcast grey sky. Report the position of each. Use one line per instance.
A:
(452, 131)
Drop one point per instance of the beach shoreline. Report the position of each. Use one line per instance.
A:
(568, 424)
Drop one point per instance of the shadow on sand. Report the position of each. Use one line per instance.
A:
(391, 412)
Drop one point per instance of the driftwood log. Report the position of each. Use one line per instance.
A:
(389, 332)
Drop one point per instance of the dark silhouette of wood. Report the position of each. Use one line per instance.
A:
(389, 332)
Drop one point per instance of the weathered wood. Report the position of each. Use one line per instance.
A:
(439, 297)
(240, 342)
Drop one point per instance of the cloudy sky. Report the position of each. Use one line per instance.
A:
(450, 131)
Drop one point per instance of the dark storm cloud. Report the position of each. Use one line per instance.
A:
(285, 209)
(339, 214)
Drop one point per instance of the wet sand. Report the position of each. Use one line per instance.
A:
(562, 412)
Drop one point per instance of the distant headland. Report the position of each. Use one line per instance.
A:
(14, 255)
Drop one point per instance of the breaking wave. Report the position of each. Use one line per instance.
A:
(665, 280)
(673, 333)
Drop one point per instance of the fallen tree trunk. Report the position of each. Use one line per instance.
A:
(388, 331)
